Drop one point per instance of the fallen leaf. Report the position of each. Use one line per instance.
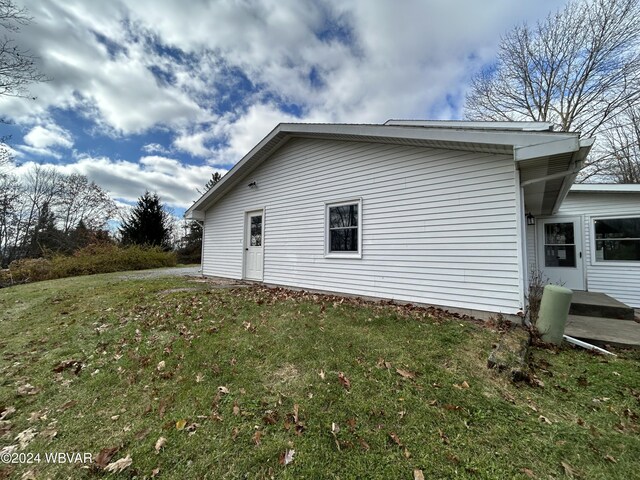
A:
(443, 437)
(199, 378)
(236, 408)
(405, 373)
(257, 437)
(159, 444)
(544, 419)
(407, 454)
(569, 471)
(7, 412)
(462, 385)
(286, 457)
(119, 465)
(75, 365)
(611, 459)
(418, 475)
(155, 472)
(27, 389)
(67, 405)
(529, 473)
(365, 446)
(180, 424)
(161, 365)
(234, 433)
(322, 374)
(223, 390)
(395, 439)
(344, 381)
(49, 433)
(24, 438)
(104, 456)
(270, 417)
(142, 434)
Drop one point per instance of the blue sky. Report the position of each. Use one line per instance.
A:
(152, 94)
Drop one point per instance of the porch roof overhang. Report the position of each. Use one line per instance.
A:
(536, 149)
(547, 176)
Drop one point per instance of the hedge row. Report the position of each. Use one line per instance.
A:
(98, 258)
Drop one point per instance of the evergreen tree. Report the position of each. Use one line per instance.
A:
(45, 236)
(147, 224)
(215, 178)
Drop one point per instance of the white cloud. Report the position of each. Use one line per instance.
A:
(49, 135)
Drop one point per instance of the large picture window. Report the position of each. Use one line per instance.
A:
(617, 239)
(343, 228)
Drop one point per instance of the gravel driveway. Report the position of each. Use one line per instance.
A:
(162, 272)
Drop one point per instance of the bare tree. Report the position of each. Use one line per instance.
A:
(17, 66)
(579, 68)
(83, 201)
(621, 147)
(10, 215)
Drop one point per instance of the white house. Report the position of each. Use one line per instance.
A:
(426, 212)
(592, 242)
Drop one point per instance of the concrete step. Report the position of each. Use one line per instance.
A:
(603, 331)
(595, 304)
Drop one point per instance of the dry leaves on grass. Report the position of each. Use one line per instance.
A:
(344, 381)
(257, 437)
(7, 412)
(104, 456)
(569, 471)
(394, 437)
(74, 365)
(27, 389)
(406, 373)
(418, 475)
(286, 457)
(529, 473)
(119, 465)
(180, 424)
(461, 386)
(161, 442)
(24, 438)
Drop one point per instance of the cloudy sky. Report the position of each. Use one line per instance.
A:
(153, 94)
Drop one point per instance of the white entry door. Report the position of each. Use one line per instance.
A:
(560, 251)
(253, 249)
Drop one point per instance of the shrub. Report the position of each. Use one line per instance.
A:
(96, 258)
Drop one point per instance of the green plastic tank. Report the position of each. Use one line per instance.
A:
(554, 310)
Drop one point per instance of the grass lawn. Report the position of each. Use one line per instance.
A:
(233, 380)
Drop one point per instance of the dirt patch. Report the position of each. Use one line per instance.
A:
(285, 376)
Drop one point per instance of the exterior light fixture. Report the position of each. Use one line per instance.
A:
(531, 220)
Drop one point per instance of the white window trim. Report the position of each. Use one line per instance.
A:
(327, 243)
(592, 238)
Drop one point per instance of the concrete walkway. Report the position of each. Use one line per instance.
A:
(621, 333)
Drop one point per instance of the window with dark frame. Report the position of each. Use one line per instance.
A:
(617, 239)
(343, 228)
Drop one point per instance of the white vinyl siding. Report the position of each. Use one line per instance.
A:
(437, 226)
(622, 282)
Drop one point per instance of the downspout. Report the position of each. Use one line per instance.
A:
(520, 239)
